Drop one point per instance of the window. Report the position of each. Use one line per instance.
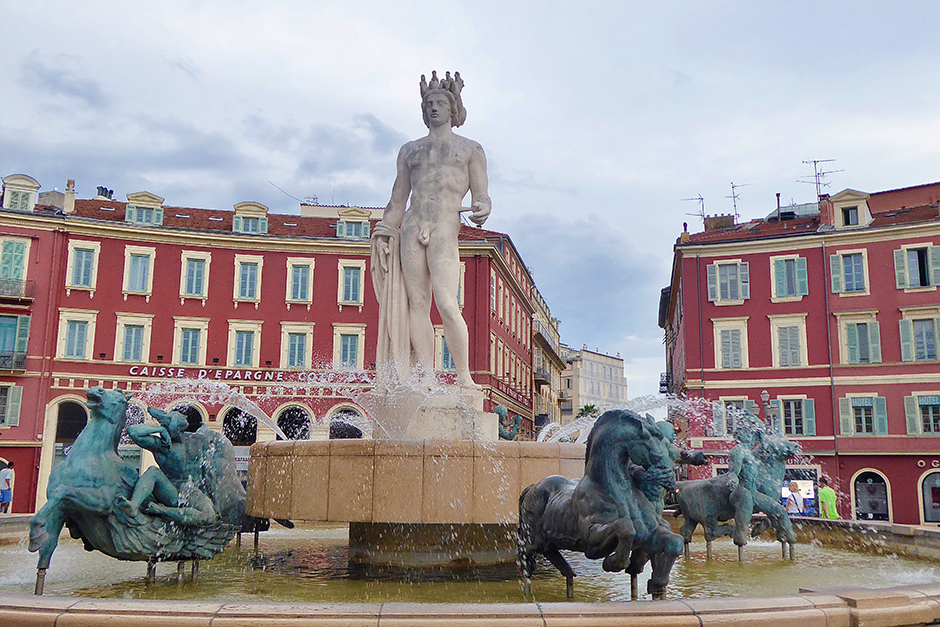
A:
(493, 291)
(728, 282)
(14, 336)
(352, 229)
(138, 270)
(11, 397)
(849, 272)
(75, 339)
(796, 416)
(863, 343)
(76, 335)
(789, 278)
(863, 415)
(730, 342)
(189, 340)
(296, 345)
(132, 337)
(919, 335)
(350, 290)
(194, 277)
(922, 412)
(788, 346)
(443, 359)
(930, 417)
(82, 264)
(850, 216)
(917, 267)
(727, 413)
(133, 343)
(244, 341)
(151, 216)
(250, 225)
(12, 260)
(248, 279)
(18, 200)
(348, 345)
(299, 281)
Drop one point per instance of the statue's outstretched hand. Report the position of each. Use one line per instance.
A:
(481, 211)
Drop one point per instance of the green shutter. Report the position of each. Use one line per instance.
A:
(130, 213)
(341, 228)
(802, 277)
(777, 422)
(263, 225)
(907, 340)
(835, 269)
(845, 417)
(900, 268)
(780, 278)
(22, 334)
(851, 342)
(809, 417)
(933, 253)
(881, 416)
(14, 258)
(912, 414)
(874, 343)
(365, 230)
(14, 401)
(158, 216)
(237, 224)
(743, 276)
(751, 408)
(718, 419)
(711, 272)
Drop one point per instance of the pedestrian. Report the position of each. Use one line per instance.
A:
(6, 488)
(795, 500)
(827, 500)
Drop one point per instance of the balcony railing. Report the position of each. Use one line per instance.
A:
(12, 288)
(665, 382)
(542, 377)
(12, 360)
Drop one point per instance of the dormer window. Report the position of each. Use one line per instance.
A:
(850, 209)
(352, 229)
(251, 218)
(145, 209)
(850, 216)
(20, 192)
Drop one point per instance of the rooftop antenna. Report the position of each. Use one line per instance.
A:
(285, 193)
(701, 208)
(819, 174)
(734, 197)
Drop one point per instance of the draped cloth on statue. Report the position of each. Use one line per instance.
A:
(393, 350)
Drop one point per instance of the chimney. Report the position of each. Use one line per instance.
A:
(69, 206)
(713, 223)
(827, 214)
(685, 237)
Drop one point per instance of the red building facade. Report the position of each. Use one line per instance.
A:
(149, 298)
(833, 310)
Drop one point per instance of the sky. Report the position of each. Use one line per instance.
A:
(599, 119)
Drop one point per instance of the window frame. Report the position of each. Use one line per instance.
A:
(299, 328)
(780, 321)
(807, 410)
(730, 324)
(74, 245)
(288, 297)
(341, 329)
(241, 260)
(713, 282)
(909, 315)
(234, 326)
(187, 322)
(195, 255)
(67, 315)
(800, 278)
(841, 273)
(439, 346)
(913, 413)
(143, 251)
(342, 264)
(125, 320)
(847, 405)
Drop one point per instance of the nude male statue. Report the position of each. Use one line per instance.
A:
(436, 171)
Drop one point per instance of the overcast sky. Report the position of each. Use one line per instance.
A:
(598, 118)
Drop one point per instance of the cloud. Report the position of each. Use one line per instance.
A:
(186, 66)
(61, 81)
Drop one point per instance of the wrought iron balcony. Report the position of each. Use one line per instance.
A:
(542, 377)
(22, 290)
(665, 382)
(12, 360)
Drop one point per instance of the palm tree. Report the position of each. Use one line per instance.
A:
(587, 410)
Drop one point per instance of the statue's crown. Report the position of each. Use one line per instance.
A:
(453, 85)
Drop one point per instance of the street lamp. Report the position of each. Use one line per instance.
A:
(769, 411)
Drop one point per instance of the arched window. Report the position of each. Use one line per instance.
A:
(295, 423)
(239, 427)
(930, 488)
(192, 414)
(343, 424)
(871, 496)
(71, 420)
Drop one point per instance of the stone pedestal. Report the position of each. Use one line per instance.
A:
(450, 413)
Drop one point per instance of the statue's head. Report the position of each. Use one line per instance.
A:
(173, 421)
(108, 404)
(441, 102)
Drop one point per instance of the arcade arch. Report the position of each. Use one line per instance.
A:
(871, 495)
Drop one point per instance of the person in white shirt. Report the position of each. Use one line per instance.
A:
(6, 488)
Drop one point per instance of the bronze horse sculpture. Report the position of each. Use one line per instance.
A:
(88, 492)
(607, 514)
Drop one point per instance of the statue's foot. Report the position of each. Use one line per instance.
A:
(37, 535)
(469, 385)
(155, 508)
(612, 564)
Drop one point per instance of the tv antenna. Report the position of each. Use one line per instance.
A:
(734, 197)
(818, 174)
(285, 193)
(701, 207)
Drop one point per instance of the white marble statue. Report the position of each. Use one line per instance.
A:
(414, 251)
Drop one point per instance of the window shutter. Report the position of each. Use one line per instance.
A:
(263, 225)
(158, 216)
(751, 408)
(851, 342)
(130, 215)
(712, 275)
(802, 277)
(365, 230)
(237, 224)
(912, 414)
(881, 416)
(845, 417)
(22, 334)
(809, 417)
(900, 269)
(14, 401)
(835, 269)
(777, 421)
(12, 260)
(780, 278)
(745, 287)
(933, 252)
(907, 340)
(737, 359)
(341, 228)
(874, 343)
(718, 419)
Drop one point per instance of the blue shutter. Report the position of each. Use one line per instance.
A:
(158, 216)
(711, 271)
(881, 416)
(780, 278)
(263, 225)
(912, 415)
(237, 224)
(907, 340)
(851, 342)
(14, 401)
(835, 269)
(341, 228)
(802, 277)
(745, 284)
(130, 215)
(846, 426)
(900, 269)
(809, 417)
(874, 343)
